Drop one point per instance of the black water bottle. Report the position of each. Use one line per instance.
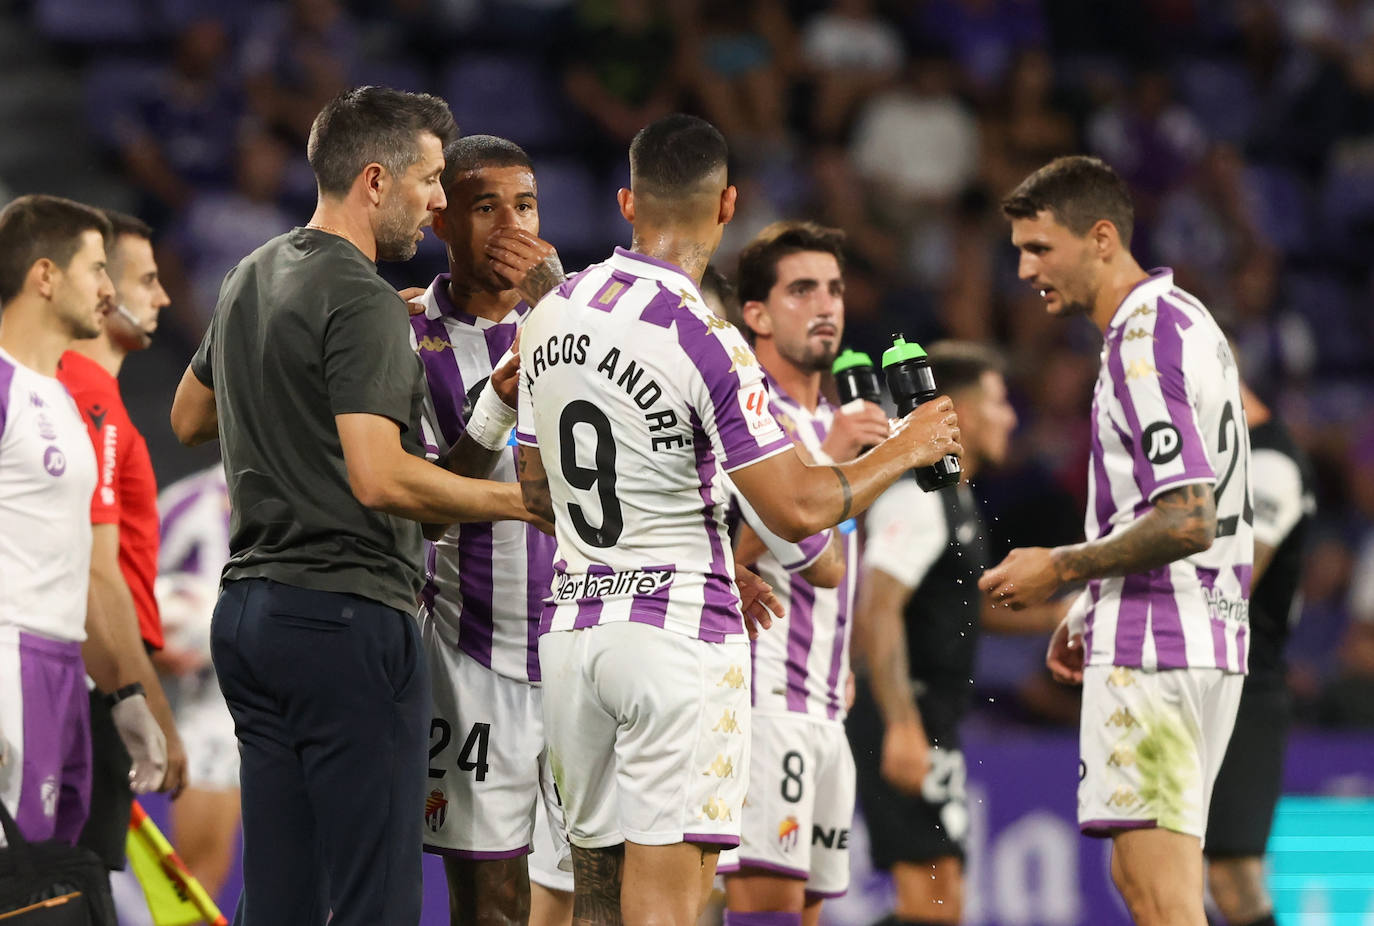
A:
(856, 378)
(911, 383)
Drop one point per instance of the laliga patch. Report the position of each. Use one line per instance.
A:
(753, 401)
(1161, 442)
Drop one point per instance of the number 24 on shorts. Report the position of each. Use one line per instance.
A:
(476, 742)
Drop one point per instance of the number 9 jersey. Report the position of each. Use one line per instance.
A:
(637, 398)
(1167, 413)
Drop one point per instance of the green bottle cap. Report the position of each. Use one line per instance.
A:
(849, 359)
(901, 350)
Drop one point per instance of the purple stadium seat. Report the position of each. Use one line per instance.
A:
(1281, 207)
(1220, 94)
(506, 96)
(110, 84)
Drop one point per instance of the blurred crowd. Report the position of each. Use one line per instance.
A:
(1244, 127)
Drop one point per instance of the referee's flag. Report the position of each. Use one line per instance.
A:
(175, 897)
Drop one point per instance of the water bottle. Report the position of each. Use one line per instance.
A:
(911, 383)
(855, 378)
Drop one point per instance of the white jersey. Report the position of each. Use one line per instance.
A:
(485, 583)
(193, 547)
(802, 664)
(637, 397)
(47, 476)
(1166, 413)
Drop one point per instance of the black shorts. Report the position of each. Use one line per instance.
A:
(1251, 776)
(107, 826)
(904, 827)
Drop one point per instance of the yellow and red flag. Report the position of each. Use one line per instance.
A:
(175, 897)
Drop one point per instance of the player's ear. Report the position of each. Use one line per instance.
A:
(626, 198)
(727, 204)
(755, 315)
(1105, 238)
(42, 276)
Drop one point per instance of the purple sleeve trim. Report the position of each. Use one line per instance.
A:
(526, 438)
(724, 840)
(6, 378)
(800, 874)
(476, 856)
(825, 895)
(1182, 479)
(756, 453)
(1101, 829)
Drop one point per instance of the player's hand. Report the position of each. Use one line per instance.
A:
(906, 757)
(411, 295)
(1027, 577)
(757, 601)
(138, 730)
(505, 379)
(1065, 655)
(524, 262)
(178, 774)
(857, 425)
(179, 661)
(929, 433)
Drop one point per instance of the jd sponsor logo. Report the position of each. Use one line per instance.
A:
(1161, 443)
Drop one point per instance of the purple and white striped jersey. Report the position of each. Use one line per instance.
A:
(801, 664)
(47, 476)
(192, 551)
(637, 397)
(1167, 412)
(485, 583)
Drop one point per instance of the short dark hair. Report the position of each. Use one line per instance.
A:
(121, 223)
(36, 227)
(758, 262)
(670, 157)
(958, 365)
(369, 125)
(475, 152)
(1078, 191)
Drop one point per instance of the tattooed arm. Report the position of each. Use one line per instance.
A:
(534, 487)
(597, 875)
(1182, 522)
(528, 263)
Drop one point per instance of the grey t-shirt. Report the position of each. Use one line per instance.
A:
(304, 330)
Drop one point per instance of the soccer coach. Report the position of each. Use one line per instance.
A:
(307, 377)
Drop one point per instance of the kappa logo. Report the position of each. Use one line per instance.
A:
(1123, 718)
(714, 322)
(1124, 799)
(1121, 677)
(1162, 443)
(1140, 368)
(733, 678)
(1141, 311)
(789, 831)
(721, 767)
(1123, 756)
(1138, 334)
(715, 808)
(728, 723)
(436, 810)
(741, 356)
(430, 343)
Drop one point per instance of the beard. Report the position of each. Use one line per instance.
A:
(396, 235)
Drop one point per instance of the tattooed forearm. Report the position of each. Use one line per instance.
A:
(541, 279)
(496, 890)
(534, 484)
(848, 494)
(1182, 522)
(596, 876)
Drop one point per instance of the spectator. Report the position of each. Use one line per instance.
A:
(849, 52)
(297, 58)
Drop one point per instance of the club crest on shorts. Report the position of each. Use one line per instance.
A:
(788, 833)
(436, 810)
